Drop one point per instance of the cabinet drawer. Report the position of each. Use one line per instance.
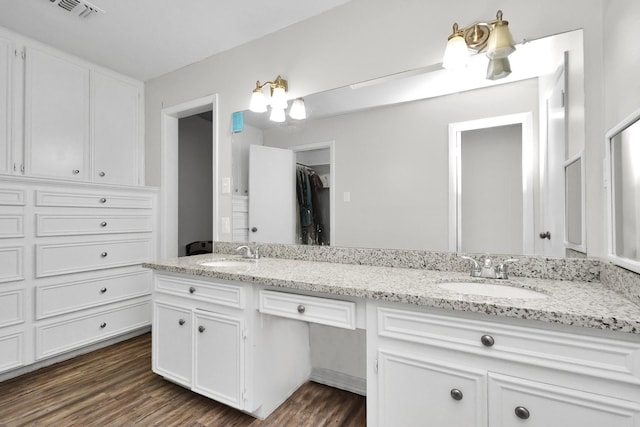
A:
(68, 225)
(94, 199)
(11, 350)
(11, 226)
(324, 311)
(67, 297)
(11, 261)
(586, 354)
(58, 259)
(11, 307)
(58, 337)
(226, 294)
(9, 197)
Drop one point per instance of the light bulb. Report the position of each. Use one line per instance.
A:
(258, 103)
(279, 97)
(277, 115)
(298, 110)
(456, 54)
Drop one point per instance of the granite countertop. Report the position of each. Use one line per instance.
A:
(585, 304)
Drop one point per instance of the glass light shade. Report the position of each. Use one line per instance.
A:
(498, 68)
(258, 103)
(500, 44)
(298, 110)
(279, 98)
(456, 55)
(277, 115)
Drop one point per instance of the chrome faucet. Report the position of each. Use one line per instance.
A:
(251, 254)
(487, 269)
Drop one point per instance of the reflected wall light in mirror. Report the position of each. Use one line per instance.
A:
(623, 192)
(277, 100)
(492, 37)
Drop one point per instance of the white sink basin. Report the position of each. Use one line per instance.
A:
(226, 263)
(491, 290)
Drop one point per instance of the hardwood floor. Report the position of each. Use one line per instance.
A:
(115, 387)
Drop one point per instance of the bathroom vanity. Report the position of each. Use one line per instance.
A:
(237, 331)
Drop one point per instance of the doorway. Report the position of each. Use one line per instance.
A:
(170, 171)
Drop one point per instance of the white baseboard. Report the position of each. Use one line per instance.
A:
(339, 380)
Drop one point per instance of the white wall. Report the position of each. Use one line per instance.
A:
(195, 204)
(365, 39)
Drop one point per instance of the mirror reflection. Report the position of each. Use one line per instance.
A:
(387, 165)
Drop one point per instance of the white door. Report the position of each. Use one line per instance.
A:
(56, 117)
(272, 195)
(5, 105)
(114, 113)
(552, 188)
(172, 349)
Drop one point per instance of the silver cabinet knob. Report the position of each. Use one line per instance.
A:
(104, 254)
(545, 235)
(522, 412)
(487, 340)
(103, 290)
(103, 325)
(301, 309)
(103, 200)
(102, 174)
(192, 290)
(456, 394)
(181, 322)
(76, 171)
(103, 224)
(254, 229)
(201, 329)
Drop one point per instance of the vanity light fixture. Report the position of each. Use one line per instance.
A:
(493, 38)
(277, 101)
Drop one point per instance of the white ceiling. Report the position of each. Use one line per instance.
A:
(148, 38)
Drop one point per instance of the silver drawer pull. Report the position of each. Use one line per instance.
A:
(104, 254)
(181, 322)
(522, 412)
(192, 290)
(103, 325)
(102, 174)
(76, 171)
(103, 200)
(201, 329)
(487, 340)
(301, 309)
(456, 394)
(103, 224)
(103, 290)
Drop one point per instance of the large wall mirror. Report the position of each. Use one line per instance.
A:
(386, 171)
(623, 191)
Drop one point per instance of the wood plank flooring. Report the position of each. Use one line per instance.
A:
(116, 387)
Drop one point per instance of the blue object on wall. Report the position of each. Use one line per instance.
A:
(237, 121)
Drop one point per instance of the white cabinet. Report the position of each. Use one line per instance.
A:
(6, 97)
(459, 370)
(115, 118)
(56, 116)
(172, 345)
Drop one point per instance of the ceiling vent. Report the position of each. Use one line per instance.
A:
(80, 8)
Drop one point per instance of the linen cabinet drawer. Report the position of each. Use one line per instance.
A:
(227, 294)
(11, 345)
(11, 307)
(324, 311)
(68, 225)
(11, 197)
(60, 298)
(11, 261)
(11, 226)
(92, 199)
(55, 259)
(58, 337)
(597, 356)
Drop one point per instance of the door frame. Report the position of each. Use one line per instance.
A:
(169, 169)
(455, 190)
(332, 179)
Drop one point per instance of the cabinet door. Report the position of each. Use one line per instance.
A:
(172, 331)
(5, 105)
(414, 391)
(519, 402)
(115, 119)
(219, 357)
(56, 117)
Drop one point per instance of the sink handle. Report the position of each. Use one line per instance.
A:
(476, 270)
(501, 269)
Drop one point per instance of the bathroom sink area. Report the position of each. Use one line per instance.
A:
(491, 290)
(229, 263)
